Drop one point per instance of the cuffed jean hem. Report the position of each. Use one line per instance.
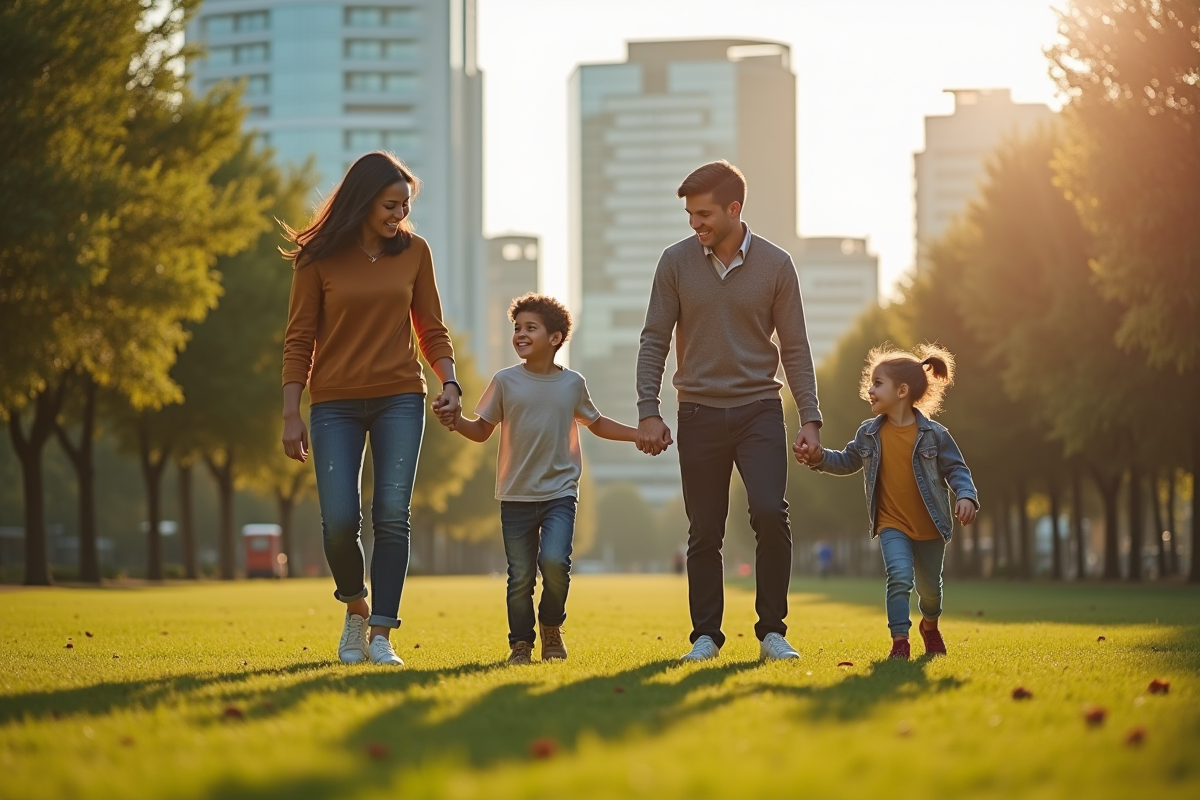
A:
(383, 622)
(354, 598)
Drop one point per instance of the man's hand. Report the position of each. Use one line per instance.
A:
(807, 448)
(965, 510)
(653, 436)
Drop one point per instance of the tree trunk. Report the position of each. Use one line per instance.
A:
(1172, 525)
(223, 474)
(1160, 545)
(976, 568)
(81, 459)
(153, 464)
(1000, 536)
(286, 504)
(1077, 526)
(1109, 486)
(1056, 559)
(187, 521)
(29, 450)
(1026, 546)
(1194, 572)
(1136, 523)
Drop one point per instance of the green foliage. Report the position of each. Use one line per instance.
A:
(626, 523)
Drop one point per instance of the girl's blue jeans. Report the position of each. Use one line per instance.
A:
(537, 536)
(339, 429)
(911, 563)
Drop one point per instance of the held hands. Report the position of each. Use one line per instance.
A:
(965, 511)
(653, 436)
(448, 406)
(807, 448)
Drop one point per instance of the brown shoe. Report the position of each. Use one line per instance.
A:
(553, 648)
(522, 653)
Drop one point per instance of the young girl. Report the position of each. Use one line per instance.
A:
(909, 460)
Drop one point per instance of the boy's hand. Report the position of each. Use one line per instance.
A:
(449, 418)
(965, 511)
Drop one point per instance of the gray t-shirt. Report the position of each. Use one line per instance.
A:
(539, 441)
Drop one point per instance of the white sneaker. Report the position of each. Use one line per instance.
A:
(382, 653)
(776, 648)
(352, 649)
(704, 649)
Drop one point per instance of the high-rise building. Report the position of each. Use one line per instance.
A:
(512, 270)
(838, 279)
(957, 146)
(333, 79)
(638, 128)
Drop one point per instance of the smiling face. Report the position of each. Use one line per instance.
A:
(532, 340)
(712, 222)
(885, 395)
(387, 210)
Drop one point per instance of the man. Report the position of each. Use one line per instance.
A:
(724, 293)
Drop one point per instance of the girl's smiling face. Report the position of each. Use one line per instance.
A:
(886, 396)
(531, 339)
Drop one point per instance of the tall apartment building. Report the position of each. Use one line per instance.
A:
(638, 128)
(839, 278)
(957, 146)
(333, 79)
(513, 262)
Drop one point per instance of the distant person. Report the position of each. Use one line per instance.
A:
(824, 558)
(364, 301)
(723, 294)
(911, 464)
(537, 404)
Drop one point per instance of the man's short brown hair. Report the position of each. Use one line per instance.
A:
(724, 180)
(554, 314)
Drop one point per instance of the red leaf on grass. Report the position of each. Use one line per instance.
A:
(416, 647)
(1021, 693)
(545, 747)
(233, 712)
(115, 655)
(1100, 639)
(127, 741)
(845, 663)
(619, 689)
(1094, 715)
(87, 634)
(377, 751)
(1159, 686)
(1136, 735)
(68, 646)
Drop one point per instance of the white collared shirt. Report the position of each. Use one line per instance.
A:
(738, 258)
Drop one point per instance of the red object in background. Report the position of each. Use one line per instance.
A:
(744, 570)
(264, 553)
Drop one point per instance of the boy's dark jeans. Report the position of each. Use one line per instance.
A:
(711, 442)
(537, 536)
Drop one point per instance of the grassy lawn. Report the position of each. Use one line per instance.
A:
(234, 691)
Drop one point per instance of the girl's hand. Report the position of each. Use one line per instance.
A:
(965, 510)
(295, 438)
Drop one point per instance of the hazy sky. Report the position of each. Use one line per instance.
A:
(868, 73)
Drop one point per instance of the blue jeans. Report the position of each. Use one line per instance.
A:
(537, 536)
(908, 563)
(339, 434)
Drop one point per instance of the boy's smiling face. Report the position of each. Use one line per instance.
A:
(531, 339)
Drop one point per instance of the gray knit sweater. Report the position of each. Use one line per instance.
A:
(723, 331)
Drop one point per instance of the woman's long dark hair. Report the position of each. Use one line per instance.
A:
(339, 218)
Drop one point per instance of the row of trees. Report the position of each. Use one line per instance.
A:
(1070, 293)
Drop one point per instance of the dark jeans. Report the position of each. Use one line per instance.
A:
(711, 442)
(537, 536)
(396, 425)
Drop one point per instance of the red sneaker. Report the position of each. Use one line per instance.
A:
(900, 650)
(934, 644)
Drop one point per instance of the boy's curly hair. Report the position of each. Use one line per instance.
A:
(928, 370)
(554, 314)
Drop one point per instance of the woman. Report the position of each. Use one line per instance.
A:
(363, 285)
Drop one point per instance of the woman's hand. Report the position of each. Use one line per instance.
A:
(295, 437)
(448, 406)
(965, 510)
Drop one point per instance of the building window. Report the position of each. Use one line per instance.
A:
(256, 53)
(375, 17)
(386, 82)
(380, 50)
(396, 141)
(258, 85)
(225, 24)
(257, 112)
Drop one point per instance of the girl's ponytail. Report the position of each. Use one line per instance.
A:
(937, 367)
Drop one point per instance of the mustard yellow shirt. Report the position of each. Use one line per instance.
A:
(900, 504)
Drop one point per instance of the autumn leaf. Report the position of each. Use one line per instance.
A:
(1136, 735)
(377, 751)
(233, 712)
(845, 663)
(1094, 715)
(1021, 693)
(543, 748)
(1159, 686)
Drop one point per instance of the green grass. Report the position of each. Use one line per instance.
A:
(625, 718)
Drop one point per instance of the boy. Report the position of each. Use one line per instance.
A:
(537, 404)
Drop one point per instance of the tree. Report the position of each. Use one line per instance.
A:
(627, 525)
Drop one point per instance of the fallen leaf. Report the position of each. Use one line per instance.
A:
(1100, 639)
(1136, 735)
(660, 638)
(544, 747)
(166, 633)
(68, 646)
(904, 728)
(845, 663)
(740, 635)
(1159, 686)
(233, 712)
(244, 663)
(1021, 693)
(303, 648)
(1094, 715)
(87, 634)
(416, 647)
(619, 689)
(127, 741)
(979, 613)
(377, 751)
(115, 655)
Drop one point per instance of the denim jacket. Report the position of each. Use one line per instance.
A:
(937, 464)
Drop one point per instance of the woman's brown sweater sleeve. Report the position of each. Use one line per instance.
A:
(299, 341)
(432, 336)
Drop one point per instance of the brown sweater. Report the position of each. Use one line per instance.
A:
(358, 318)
